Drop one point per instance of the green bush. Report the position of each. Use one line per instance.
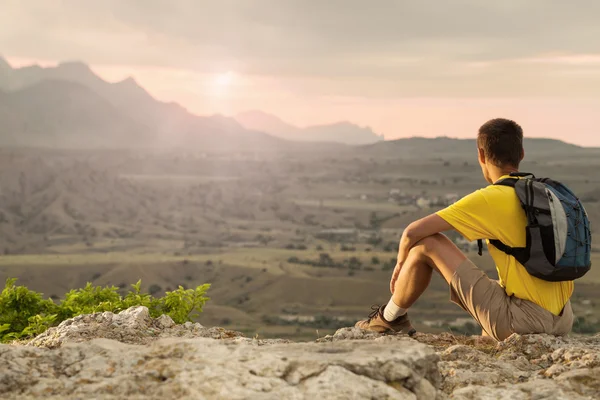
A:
(25, 313)
(17, 305)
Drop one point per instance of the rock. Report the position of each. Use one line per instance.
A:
(164, 322)
(425, 390)
(585, 381)
(221, 369)
(512, 369)
(554, 370)
(354, 334)
(534, 390)
(132, 355)
(134, 326)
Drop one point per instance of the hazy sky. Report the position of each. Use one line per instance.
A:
(405, 68)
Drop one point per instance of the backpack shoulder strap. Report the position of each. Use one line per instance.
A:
(511, 182)
(507, 182)
(522, 175)
(521, 254)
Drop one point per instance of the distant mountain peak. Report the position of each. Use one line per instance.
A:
(341, 131)
(255, 118)
(132, 87)
(75, 65)
(128, 81)
(225, 120)
(4, 65)
(77, 70)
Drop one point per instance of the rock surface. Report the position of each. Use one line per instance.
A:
(134, 326)
(108, 356)
(521, 367)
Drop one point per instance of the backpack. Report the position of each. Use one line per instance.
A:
(558, 232)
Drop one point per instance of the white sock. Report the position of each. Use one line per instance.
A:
(392, 311)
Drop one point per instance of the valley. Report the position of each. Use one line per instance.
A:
(294, 243)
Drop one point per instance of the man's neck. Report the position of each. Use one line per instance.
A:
(498, 172)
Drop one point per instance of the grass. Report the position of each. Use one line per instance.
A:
(355, 205)
(181, 178)
(244, 257)
(269, 258)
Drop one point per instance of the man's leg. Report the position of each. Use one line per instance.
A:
(470, 288)
(435, 252)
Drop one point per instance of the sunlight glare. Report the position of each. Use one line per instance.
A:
(224, 79)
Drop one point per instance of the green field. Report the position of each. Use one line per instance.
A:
(356, 205)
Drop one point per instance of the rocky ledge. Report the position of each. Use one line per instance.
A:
(113, 356)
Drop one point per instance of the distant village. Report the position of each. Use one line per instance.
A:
(399, 197)
(402, 198)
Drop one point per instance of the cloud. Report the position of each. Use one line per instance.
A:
(346, 47)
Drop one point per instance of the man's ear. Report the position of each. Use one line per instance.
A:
(522, 154)
(481, 155)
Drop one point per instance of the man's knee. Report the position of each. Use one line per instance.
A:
(440, 253)
(434, 243)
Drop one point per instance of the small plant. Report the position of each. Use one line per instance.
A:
(25, 313)
(17, 305)
(183, 305)
(89, 300)
(136, 298)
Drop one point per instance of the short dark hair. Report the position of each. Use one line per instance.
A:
(502, 142)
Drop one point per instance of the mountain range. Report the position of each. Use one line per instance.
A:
(68, 106)
(341, 132)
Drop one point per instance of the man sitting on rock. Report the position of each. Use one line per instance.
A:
(518, 302)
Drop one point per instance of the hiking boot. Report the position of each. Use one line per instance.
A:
(377, 323)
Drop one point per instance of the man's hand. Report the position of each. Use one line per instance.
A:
(403, 249)
(411, 236)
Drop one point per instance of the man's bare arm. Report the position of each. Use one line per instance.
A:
(418, 230)
(414, 233)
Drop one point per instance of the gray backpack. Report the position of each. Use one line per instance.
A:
(559, 240)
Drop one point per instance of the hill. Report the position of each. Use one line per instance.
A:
(418, 147)
(136, 116)
(64, 114)
(341, 132)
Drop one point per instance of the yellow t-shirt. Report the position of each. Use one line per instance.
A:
(496, 213)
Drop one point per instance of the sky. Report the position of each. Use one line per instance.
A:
(404, 68)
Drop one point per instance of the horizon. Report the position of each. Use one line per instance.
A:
(29, 63)
(420, 79)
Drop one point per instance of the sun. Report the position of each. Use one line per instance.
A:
(224, 79)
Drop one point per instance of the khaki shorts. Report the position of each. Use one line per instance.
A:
(498, 314)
